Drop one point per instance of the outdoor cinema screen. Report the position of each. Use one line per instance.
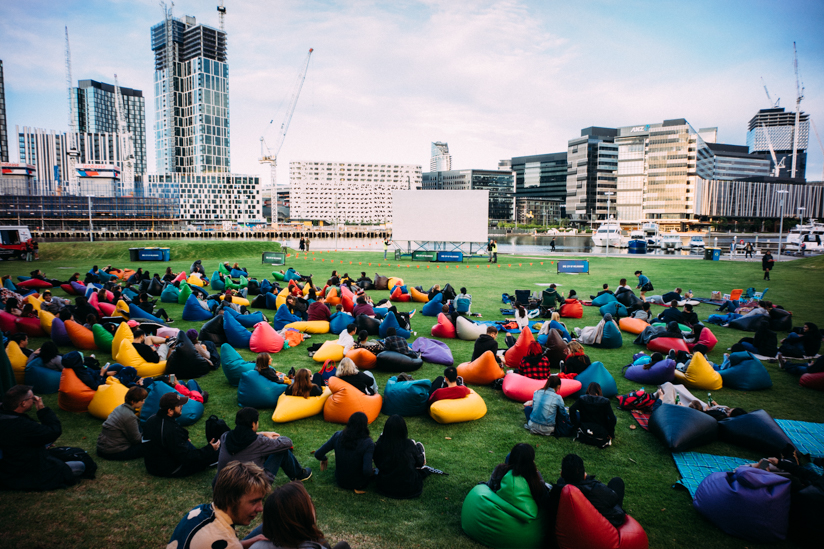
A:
(440, 216)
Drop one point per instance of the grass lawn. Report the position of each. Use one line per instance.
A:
(125, 507)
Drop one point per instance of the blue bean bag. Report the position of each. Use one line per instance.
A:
(169, 294)
(390, 361)
(747, 503)
(757, 431)
(136, 313)
(90, 289)
(433, 351)
(681, 428)
(236, 335)
(9, 285)
(720, 320)
(660, 372)
(283, 316)
(339, 321)
(389, 321)
(234, 366)
(612, 337)
(746, 373)
(265, 286)
(237, 273)
(617, 310)
(44, 381)
(192, 311)
(192, 410)
(433, 306)
(23, 278)
(216, 283)
(290, 274)
(406, 398)
(272, 302)
(256, 391)
(247, 321)
(750, 323)
(596, 372)
(380, 312)
(603, 299)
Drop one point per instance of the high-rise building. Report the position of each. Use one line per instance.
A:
(209, 197)
(96, 112)
(592, 164)
(732, 162)
(441, 160)
(191, 88)
(500, 185)
(541, 176)
(777, 128)
(4, 131)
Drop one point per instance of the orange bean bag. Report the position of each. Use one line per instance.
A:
(46, 319)
(632, 325)
(332, 297)
(81, 337)
(420, 297)
(444, 328)
(572, 308)
(481, 371)
(515, 354)
(346, 400)
(362, 358)
(126, 273)
(73, 395)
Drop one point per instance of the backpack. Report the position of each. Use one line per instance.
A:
(328, 370)
(636, 400)
(69, 453)
(215, 427)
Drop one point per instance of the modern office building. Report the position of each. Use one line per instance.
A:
(777, 128)
(191, 89)
(95, 111)
(209, 198)
(347, 192)
(758, 199)
(732, 162)
(541, 176)
(592, 165)
(538, 211)
(500, 184)
(441, 160)
(4, 128)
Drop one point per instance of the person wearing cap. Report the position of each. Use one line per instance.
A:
(167, 450)
(52, 304)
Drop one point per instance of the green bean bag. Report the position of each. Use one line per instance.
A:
(169, 294)
(233, 364)
(102, 337)
(185, 292)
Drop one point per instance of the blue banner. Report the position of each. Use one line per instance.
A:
(450, 256)
(573, 266)
(151, 255)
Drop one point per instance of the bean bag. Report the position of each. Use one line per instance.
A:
(346, 400)
(380, 282)
(277, 275)
(236, 335)
(137, 313)
(555, 325)
(521, 388)
(35, 300)
(73, 395)
(107, 397)
(612, 338)
(481, 371)
(665, 344)
(80, 336)
(185, 292)
(468, 330)
(281, 297)
(155, 287)
(193, 312)
(363, 358)
(182, 275)
(237, 300)
(433, 351)
(292, 408)
(390, 361)
(29, 326)
(44, 381)
(7, 322)
(128, 356)
(572, 308)
(256, 391)
(46, 319)
(458, 410)
(68, 288)
(216, 283)
(603, 299)
(195, 280)
(79, 289)
(515, 354)
(247, 321)
(706, 337)
(556, 348)
(121, 310)
(310, 326)
(399, 296)
(185, 362)
(123, 332)
(102, 338)
(747, 503)
(192, 410)
(681, 327)
(750, 323)
(330, 350)
(699, 375)
(406, 398)
(746, 373)
(418, 296)
(265, 339)
(339, 321)
(347, 299)
(223, 269)
(812, 381)
(444, 327)
(332, 298)
(394, 281)
(59, 334)
(234, 365)
(508, 518)
(682, 428)
(18, 361)
(34, 283)
(213, 331)
(237, 273)
(106, 309)
(390, 321)
(579, 525)
(270, 301)
(597, 373)
(283, 317)
(434, 306)
(617, 310)
(658, 374)
(756, 430)
(780, 320)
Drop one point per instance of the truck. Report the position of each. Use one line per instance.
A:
(14, 241)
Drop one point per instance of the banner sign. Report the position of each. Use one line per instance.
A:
(424, 256)
(274, 258)
(573, 266)
(450, 256)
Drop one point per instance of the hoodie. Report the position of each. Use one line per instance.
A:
(593, 409)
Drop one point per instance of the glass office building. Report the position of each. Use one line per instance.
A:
(777, 128)
(592, 163)
(4, 131)
(541, 176)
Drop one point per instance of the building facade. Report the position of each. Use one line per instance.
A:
(777, 128)
(209, 198)
(758, 199)
(541, 176)
(347, 192)
(4, 128)
(732, 162)
(592, 165)
(191, 89)
(441, 160)
(538, 211)
(96, 112)
(500, 185)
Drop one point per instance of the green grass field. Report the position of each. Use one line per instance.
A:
(125, 507)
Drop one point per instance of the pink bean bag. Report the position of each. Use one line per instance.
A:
(8, 322)
(34, 283)
(520, 388)
(812, 381)
(706, 337)
(181, 276)
(444, 328)
(265, 339)
(29, 326)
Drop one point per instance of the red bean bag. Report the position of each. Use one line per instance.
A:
(73, 395)
(812, 381)
(81, 337)
(444, 328)
(398, 295)
(346, 400)
(106, 309)
(706, 337)
(347, 299)
(521, 388)
(265, 339)
(363, 358)
(69, 289)
(632, 325)
(8, 322)
(181, 276)
(481, 371)
(515, 354)
(665, 344)
(29, 326)
(580, 526)
(572, 308)
(34, 283)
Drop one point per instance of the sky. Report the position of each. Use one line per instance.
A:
(493, 79)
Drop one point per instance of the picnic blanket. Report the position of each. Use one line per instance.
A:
(718, 302)
(499, 324)
(694, 467)
(642, 418)
(807, 437)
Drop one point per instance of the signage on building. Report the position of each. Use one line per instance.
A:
(639, 129)
(9, 168)
(273, 258)
(577, 266)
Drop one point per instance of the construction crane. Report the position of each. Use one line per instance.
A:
(819, 143)
(221, 13)
(72, 153)
(799, 88)
(777, 170)
(777, 99)
(267, 156)
(125, 139)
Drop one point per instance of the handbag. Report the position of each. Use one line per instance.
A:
(328, 370)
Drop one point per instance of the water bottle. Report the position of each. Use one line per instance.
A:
(677, 400)
(709, 399)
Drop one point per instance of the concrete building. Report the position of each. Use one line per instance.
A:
(441, 160)
(541, 176)
(500, 184)
(592, 165)
(777, 127)
(209, 198)
(191, 89)
(538, 211)
(4, 128)
(348, 191)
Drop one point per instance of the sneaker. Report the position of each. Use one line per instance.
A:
(413, 313)
(306, 475)
(169, 320)
(671, 354)
(782, 362)
(578, 332)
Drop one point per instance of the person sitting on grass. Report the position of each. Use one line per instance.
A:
(690, 317)
(608, 498)
(643, 313)
(451, 389)
(672, 314)
(542, 410)
(592, 414)
(50, 356)
(400, 462)
(521, 463)
(362, 381)
(441, 382)
(363, 308)
(150, 348)
(303, 385)
(263, 366)
(318, 310)
(146, 305)
(486, 342)
(807, 343)
(120, 438)
(592, 335)
(353, 449)
(52, 304)
(363, 342)
(535, 364)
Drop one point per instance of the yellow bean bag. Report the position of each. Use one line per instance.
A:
(281, 298)
(195, 280)
(35, 301)
(330, 350)
(121, 310)
(306, 289)
(456, 410)
(310, 326)
(46, 319)
(394, 281)
(128, 356)
(291, 408)
(106, 399)
(18, 361)
(123, 332)
(346, 400)
(699, 375)
(420, 297)
(239, 300)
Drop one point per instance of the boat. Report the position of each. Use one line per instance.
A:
(696, 242)
(811, 234)
(637, 242)
(609, 231)
(652, 234)
(671, 240)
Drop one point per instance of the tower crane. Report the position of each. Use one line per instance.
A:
(777, 99)
(819, 142)
(125, 139)
(270, 155)
(777, 170)
(799, 88)
(221, 14)
(72, 153)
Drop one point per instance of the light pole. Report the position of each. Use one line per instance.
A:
(781, 224)
(609, 194)
(801, 215)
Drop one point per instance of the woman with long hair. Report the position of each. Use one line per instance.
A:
(362, 381)
(521, 463)
(577, 360)
(542, 410)
(49, 354)
(806, 343)
(592, 413)
(263, 367)
(303, 386)
(353, 449)
(399, 461)
(521, 316)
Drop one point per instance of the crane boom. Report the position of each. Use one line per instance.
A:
(72, 155)
(777, 99)
(799, 88)
(819, 142)
(125, 140)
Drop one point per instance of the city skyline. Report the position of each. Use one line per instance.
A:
(494, 80)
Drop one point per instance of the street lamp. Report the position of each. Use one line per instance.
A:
(609, 194)
(781, 224)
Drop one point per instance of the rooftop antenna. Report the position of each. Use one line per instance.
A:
(799, 88)
(777, 99)
(221, 14)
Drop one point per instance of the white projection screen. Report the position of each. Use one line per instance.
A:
(440, 216)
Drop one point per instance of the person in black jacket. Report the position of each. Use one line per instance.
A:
(672, 314)
(399, 461)
(608, 498)
(690, 316)
(167, 451)
(593, 412)
(81, 310)
(487, 342)
(146, 305)
(353, 449)
(27, 464)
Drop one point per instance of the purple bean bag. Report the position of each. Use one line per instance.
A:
(59, 334)
(659, 373)
(747, 503)
(433, 351)
(79, 288)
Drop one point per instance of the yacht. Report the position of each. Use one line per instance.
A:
(695, 242)
(637, 242)
(671, 240)
(652, 234)
(608, 231)
(811, 234)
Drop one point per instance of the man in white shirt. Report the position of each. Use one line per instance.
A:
(347, 337)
